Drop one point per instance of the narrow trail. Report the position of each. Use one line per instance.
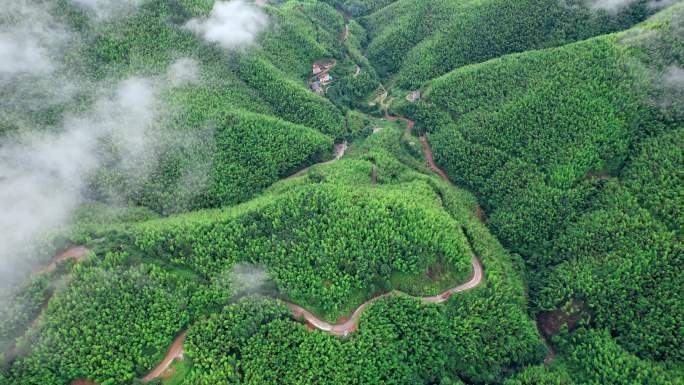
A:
(345, 33)
(340, 150)
(427, 150)
(77, 253)
(358, 71)
(409, 126)
(345, 326)
(479, 212)
(351, 324)
(342, 329)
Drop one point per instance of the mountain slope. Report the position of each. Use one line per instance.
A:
(553, 143)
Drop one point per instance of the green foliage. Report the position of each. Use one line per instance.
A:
(215, 344)
(422, 40)
(656, 177)
(19, 307)
(189, 166)
(302, 33)
(290, 99)
(362, 7)
(482, 30)
(320, 243)
(539, 375)
(540, 136)
(400, 341)
(625, 265)
(595, 359)
(111, 323)
(284, 148)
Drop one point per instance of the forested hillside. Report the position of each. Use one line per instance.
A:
(560, 147)
(420, 40)
(210, 192)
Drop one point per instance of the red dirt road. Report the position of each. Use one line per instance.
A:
(352, 324)
(431, 162)
(345, 327)
(76, 253)
(409, 123)
(175, 351)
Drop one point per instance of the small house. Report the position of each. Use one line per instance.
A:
(316, 69)
(325, 79)
(413, 96)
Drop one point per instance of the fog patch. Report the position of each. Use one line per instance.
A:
(107, 9)
(245, 279)
(669, 85)
(32, 76)
(28, 38)
(42, 174)
(231, 24)
(615, 6)
(660, 4)
(673, 77)
(184, 71)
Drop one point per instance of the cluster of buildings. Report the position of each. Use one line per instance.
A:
(321, 76)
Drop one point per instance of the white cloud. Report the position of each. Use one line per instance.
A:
(183, 71)
(673, 77)
(22, 52)
(658, 4)
(231, 24)
(614, 6)
(42, 175)
(27, 38)
(105, 9)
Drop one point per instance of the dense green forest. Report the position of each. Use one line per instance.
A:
(560, 147)
(242, 226)
(426, 39)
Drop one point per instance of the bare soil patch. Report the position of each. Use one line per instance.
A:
(551, 322)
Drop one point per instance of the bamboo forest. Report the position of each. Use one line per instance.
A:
(332, 192)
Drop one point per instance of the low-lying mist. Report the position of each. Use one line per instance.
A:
(245, 279)
(47, 164)
(615, 6)
(231, 24)
(42, 174)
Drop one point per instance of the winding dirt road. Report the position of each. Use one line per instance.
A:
(298, 312)
(352, 324)
(431, 162)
